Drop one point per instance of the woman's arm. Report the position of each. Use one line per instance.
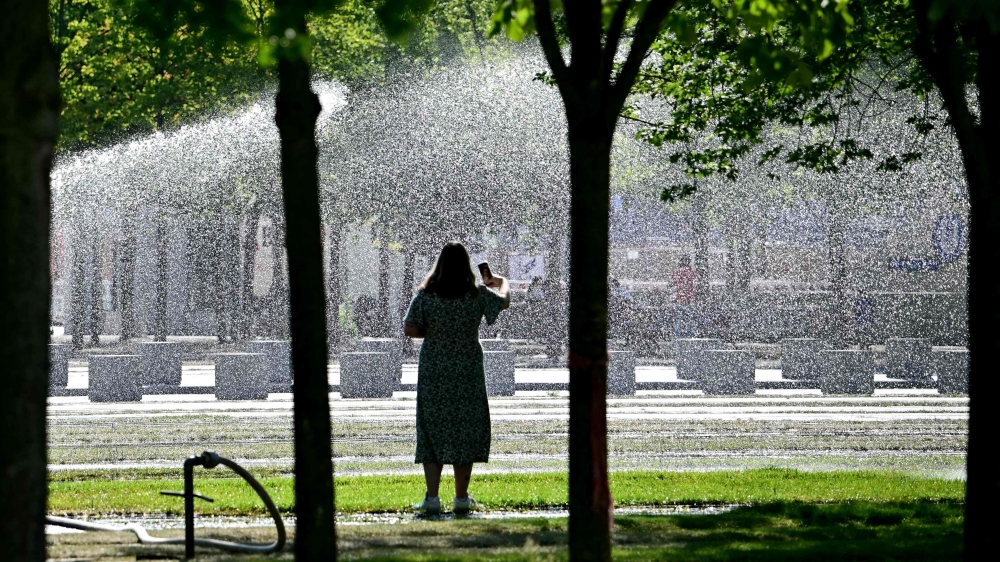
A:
(502, 288)
(412, 330)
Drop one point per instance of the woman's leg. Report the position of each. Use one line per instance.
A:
(463, 473)
(432, 474)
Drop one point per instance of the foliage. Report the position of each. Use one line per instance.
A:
(130, 67)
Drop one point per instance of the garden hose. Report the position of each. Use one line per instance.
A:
(207, 459)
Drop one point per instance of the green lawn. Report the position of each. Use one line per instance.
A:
(780, 531)
(124, 491)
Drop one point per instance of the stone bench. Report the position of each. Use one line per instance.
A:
(908, 358)
(621, 373)
(727, 371)
(161, 362)
(688, 355)
(499, 369)
(799, 358)
(277, 361)
(240, 376)
(59, 364)
(114, 378)
(952, 368)
(385, 345)
(846, 371)
(367, 374)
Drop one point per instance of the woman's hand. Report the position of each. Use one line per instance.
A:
(502, 288)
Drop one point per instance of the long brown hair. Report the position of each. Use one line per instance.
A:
(452, 276)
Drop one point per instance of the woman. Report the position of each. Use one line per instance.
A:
(453, 415)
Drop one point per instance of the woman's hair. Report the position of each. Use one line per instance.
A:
(452, 276)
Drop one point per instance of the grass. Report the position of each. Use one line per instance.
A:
(777, 531)
(124, 491)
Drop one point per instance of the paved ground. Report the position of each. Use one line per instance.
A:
(913, 430)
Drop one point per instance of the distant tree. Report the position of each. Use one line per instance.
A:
(29, 128)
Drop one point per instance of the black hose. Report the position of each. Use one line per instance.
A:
(210, 460)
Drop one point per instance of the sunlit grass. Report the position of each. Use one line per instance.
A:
(123, 491)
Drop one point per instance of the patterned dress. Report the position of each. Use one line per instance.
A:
(453, 414)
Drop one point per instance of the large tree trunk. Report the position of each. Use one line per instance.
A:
(127, 282)
(590, 513)
(983, 173)
(96, 290)
(384, 312)
(297, 109)
(29, 118)
(78, 286)
(840, 314)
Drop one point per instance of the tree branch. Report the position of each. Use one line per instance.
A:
(614, 38)
(646, 32)
(550, 46)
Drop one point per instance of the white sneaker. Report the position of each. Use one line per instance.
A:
(464, 505)
(429, 506)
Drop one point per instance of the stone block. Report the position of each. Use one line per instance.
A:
(161, 362)
(386, 345)
(59, 364)
(367, 374)
(799, 359)
(908, 358)
(846, 371)
(277, 361)
(952, 368)
(240, 376)
(727, 371)
(687, 352)
(495, 345)
(621, 373)
(114, 378)
(499, 369)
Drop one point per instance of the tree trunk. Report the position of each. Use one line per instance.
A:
(297, 108)
(248, 308)
(840, 314)
(590, 513)
(333, 285)
(160, 307)
(127, 283)
(96, 290)
(78, 287)
(29, 126)
(383, 308)
(699, 231)
(983, 176)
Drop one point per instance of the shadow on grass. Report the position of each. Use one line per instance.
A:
(772, 532)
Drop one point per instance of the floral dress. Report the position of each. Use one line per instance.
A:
(453, 414)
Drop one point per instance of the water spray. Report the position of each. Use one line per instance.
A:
(207, 459)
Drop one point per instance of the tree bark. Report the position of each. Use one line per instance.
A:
(78, 287)
(384, 312)
(297, 108)
(29, 127)
(590, 497)
(96, 290)
(333, 284)
(839, 316)
(127, 282)
(160, 307)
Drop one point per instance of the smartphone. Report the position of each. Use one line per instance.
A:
(484, 270)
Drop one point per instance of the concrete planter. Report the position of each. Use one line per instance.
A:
(688, 354)
(161, 362)
(908, 358)
(799, 358)
(727, 371)
(952, 367)
(115, 378)
(499, 369)
(59, 364)
(367, 374)
(277, 359)
(846, 371)
(240, 376)
(392, 347)
(621, 373)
